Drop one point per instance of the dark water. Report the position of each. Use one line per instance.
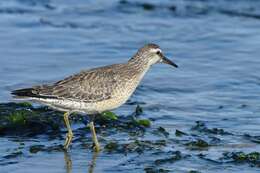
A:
(215, 43)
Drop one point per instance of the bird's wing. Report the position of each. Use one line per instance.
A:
(89, 86)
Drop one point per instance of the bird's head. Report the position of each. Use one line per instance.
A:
(152, 54)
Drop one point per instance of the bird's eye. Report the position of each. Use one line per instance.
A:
(158, 52)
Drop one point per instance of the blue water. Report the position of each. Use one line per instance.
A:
(215, 44)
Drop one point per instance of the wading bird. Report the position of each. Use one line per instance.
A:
(94, 91)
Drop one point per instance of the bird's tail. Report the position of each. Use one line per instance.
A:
(26, 92)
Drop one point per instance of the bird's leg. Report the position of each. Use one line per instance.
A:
(69, 135)
(94, 136)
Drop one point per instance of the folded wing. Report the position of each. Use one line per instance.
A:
(88, 86)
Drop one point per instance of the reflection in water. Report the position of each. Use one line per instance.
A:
(93, 162)
(68, 162)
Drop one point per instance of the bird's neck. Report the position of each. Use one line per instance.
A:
(139, 67)
(139, 64)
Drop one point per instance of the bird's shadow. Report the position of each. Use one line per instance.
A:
(68, 162)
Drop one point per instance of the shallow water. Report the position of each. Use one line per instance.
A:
(215, 44)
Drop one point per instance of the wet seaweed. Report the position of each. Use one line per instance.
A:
(26, 120)
(36, 148)
(24, 117)
(146, 6)
(174, 156)
(138, 110)
(180, 133)
(160, 131)
(112, 146)
(137, 146)
(153, 169)
(204, 157)
(194, 171)
(252, 158)
(143, 122)
(201, 127)
(197, 144)
(110, 116)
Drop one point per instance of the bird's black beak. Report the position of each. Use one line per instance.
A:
(167, 61)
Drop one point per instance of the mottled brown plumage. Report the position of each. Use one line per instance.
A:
(96, 90)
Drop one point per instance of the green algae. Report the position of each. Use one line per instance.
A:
(17, 117)
(25, 104)
(46, 120)
(123, 123)
(109, 115)
(252, 158)
(23, 119)
(143, 122)
(140, 122)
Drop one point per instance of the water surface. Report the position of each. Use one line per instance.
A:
(215, 44)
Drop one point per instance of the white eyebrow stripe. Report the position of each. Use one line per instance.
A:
(157, 49)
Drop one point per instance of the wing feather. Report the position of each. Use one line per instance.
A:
(88, 86)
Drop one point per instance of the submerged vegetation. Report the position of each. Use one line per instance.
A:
(25, 120)
(252, 158)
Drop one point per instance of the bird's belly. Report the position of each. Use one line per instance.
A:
(109, 104)
(69, 105)
(84, 107)
(117, 99)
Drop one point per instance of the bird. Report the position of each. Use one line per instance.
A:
(94, 91)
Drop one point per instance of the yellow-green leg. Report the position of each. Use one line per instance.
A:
(94, 136)
(69, 135)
